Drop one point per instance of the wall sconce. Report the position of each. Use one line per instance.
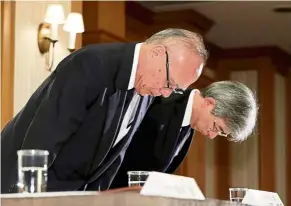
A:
(48, 31)
(74, 24)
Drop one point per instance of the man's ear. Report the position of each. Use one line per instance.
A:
(209, 101)
(199, 69)
(158, 50)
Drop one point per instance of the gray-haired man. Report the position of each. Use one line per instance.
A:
(228, 109)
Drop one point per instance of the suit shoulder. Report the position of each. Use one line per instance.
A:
(94, 59)
(99, 49)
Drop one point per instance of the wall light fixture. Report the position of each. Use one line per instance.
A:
(74, 24)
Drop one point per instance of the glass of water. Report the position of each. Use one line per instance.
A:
(237, 194)
(32, 171)
(137, 178)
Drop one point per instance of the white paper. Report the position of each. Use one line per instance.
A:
(167, 185)
(262, 198)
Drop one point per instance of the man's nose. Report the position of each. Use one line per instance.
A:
(166, 92)
(212, 134)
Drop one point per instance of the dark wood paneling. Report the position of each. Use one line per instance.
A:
(7, 58)
(266, 136)
(138, 12)
(288, 138)
(280, 58)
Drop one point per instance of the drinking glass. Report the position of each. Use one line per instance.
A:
(237, 194)
(32, 171)
(137, 178)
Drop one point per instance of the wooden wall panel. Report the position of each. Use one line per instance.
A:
(7, 57)
(103, 19)
(195, 161)
(288, 138)
(280, 135)
(267, 127)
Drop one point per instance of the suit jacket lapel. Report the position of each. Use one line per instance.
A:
(138, 116)
(108, 158)
(183, 136)
(144, 105)
(118, 103)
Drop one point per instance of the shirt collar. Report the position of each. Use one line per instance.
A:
(134, 66)
(188, 111)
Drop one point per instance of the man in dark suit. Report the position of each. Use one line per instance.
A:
(86, 112)
(227, 109)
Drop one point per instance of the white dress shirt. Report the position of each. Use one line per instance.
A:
(188, 111)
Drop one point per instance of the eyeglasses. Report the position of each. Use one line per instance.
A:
(219, 131)
(176, 89)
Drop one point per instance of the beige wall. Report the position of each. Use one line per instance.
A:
(29, 63)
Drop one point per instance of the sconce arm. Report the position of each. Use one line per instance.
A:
(50, 65)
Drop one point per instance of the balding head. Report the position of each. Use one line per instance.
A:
(191, 40)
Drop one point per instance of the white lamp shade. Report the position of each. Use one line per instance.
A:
(74, 23)
(54, 14)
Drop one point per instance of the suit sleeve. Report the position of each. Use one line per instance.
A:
(64, 104)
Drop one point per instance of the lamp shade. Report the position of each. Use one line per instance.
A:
(74, 23)
(54, 14)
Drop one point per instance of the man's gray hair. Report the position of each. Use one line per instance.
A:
(191, 40)
(236, 104)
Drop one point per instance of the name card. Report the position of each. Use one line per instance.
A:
(167, 185)
(262, 198)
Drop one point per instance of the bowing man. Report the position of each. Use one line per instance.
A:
(86, 112)
(226, 109)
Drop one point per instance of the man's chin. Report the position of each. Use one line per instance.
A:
(148, 93)
(152, 93)
(142, 92)
(194, 127)
(200, 131)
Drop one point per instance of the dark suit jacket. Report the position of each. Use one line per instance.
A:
(75, 114)
(160, 144)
